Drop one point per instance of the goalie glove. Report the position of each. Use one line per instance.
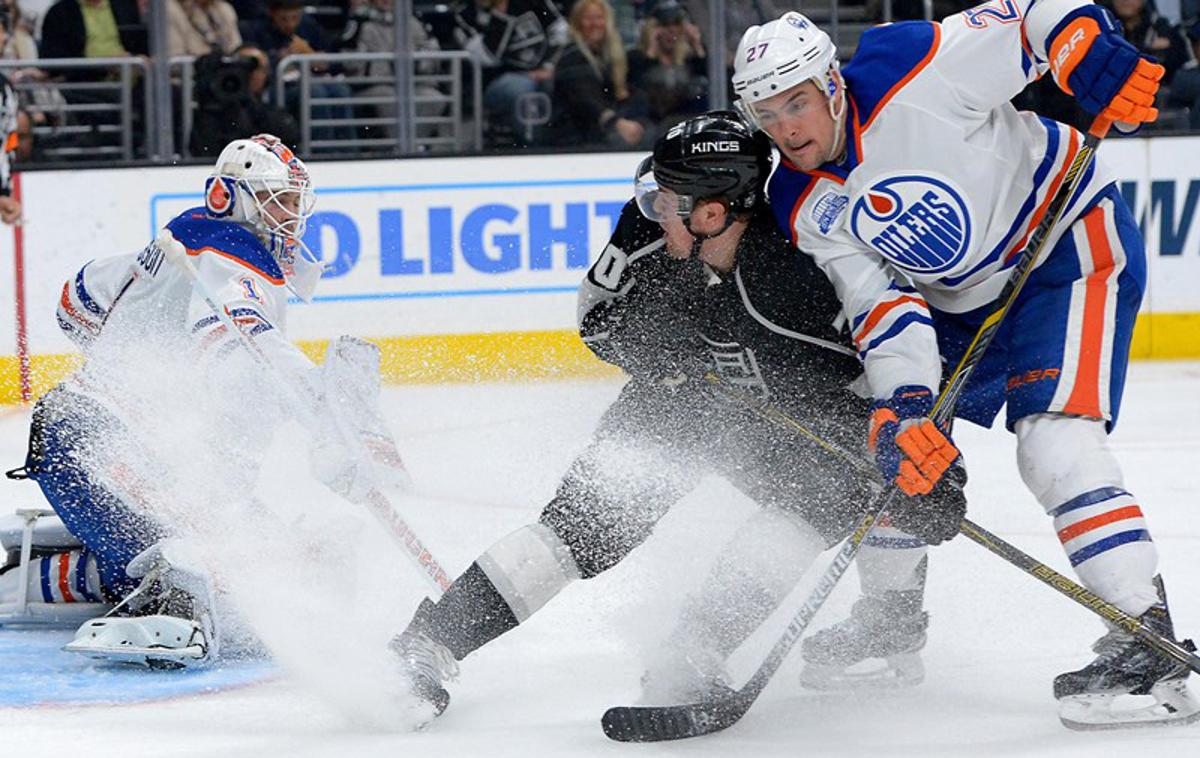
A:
(353, 451)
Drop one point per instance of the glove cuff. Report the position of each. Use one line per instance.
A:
(909, 401)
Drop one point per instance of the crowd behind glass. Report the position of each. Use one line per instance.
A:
(556, 74)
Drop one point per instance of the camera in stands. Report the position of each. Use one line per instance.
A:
(223, 80)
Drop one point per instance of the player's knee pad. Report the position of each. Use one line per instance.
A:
(1061, 457)
(1068, 466)
(528, 568)
(891, 560)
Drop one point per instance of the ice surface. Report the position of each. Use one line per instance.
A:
(486, 458)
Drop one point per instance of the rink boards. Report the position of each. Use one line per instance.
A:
(466, 268)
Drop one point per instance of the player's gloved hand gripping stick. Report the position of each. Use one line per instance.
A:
(656, 723)
(378, 504)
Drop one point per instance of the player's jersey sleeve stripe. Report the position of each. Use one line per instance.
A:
(900, 324)
(85, 298)
(882, 310)
(67, 307)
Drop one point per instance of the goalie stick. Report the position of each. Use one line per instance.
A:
(672, 722)
(377, 503)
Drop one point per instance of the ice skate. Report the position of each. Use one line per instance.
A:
(1128, 684)
(166, 623)
(877, 647)
(427, 663)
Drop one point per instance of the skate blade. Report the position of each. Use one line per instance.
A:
(892, 673)
(1169, 703)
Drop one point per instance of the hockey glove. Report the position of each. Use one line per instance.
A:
(908, 447)
(935, 517)
(353, 450)
(1090, 59)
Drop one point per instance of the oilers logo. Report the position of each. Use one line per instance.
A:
(919, 223)
(218, 196)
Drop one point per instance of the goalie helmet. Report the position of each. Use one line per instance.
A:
(715, 156)
(779, 55)
(260, 183)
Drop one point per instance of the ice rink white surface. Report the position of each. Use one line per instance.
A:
(488, 457)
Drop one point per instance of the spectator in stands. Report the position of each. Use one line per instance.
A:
(669, 68)
(27, 151)
(92, 29)
(371, 29)
(516, 42)
(1185, 89)
(231, 93)
(45, 104)
(591, 92)
(288, 31)
(285, 31)
(1152, 34)
(199, 27)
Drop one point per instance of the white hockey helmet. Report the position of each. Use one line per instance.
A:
(779, 55)
(261, 183)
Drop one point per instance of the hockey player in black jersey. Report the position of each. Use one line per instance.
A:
(696, 279)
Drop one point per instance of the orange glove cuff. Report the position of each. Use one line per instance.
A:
(1069, 48)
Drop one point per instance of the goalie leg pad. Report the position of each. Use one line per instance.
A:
(70, 458)
(1067, 465)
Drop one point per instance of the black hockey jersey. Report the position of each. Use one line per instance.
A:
(772, 326)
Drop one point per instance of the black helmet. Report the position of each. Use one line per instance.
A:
(713, 156)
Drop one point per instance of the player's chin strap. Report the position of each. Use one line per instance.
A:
(380, 507)
(837, 109)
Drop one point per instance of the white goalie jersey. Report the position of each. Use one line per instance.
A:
(132, 307)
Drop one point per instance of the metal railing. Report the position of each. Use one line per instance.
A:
(88, 113)
(347, 102)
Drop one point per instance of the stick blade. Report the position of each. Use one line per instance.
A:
(671, 722)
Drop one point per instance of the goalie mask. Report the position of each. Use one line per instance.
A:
(261, 184)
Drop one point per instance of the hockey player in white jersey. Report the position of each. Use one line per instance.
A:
(914, 184)
(92, 449)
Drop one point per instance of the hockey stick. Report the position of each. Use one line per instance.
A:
(655, 723)
(378, 504)
(991, 542)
